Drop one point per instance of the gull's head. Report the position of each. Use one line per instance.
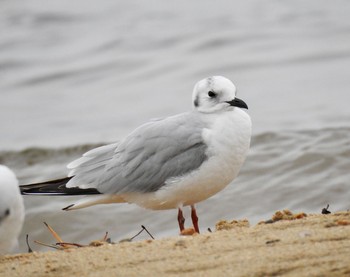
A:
(11, 210)
(215, 94)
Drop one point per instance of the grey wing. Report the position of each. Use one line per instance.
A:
(86, 169)
(152, 154)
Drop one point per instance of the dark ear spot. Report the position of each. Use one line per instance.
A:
(7, 212)
(196, 102)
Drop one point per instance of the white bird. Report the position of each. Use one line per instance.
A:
(11, 211)
(166, 163)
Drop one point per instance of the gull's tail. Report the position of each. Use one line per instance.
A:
(55, 187)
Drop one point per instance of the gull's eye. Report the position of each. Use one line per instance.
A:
(211, 94)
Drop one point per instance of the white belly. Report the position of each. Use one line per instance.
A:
(228, 141)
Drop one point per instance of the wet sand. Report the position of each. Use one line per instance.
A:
(287, 245)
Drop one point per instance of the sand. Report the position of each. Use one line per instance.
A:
(294, 245)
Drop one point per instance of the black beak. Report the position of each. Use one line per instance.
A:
(238, 103)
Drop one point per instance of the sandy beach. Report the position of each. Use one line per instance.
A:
(288, 245)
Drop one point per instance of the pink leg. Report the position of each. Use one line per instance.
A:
(181, 220)
(194, 218)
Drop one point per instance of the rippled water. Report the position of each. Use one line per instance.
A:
(77, 74)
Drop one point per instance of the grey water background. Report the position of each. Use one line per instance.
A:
(78, 74)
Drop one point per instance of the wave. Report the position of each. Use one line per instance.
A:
(304, 145)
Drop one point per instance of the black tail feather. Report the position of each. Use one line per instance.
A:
(55, 187)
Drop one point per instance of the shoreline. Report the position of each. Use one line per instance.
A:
(310, 245)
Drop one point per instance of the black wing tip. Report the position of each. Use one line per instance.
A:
(55, 188)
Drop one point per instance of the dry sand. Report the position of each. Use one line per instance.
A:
(312, 245)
